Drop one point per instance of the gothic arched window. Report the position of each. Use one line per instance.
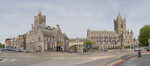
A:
(121, 25)
(39, 39)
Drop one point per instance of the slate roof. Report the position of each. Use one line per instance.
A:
(101, 32)
(49, 33)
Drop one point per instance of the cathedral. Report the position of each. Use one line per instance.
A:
(45, 38)
(108, 39)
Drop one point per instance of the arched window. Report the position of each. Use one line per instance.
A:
(39, 39)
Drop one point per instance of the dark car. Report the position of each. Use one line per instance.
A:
(147, 48)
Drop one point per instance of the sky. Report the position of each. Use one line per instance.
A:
(73, 16)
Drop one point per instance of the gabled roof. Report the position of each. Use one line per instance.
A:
(49, 33)
(65, 36)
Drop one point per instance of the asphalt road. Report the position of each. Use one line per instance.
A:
(138, 61)
(99, 62)
(21, 59)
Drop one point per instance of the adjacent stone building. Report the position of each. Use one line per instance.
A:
(43, 38)
(119, 37)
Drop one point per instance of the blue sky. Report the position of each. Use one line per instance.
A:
(73, 16)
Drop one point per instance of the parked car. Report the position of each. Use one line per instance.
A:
(5, 49)
(147, 48)
(104, 50)
(16, 50)
(26, 51)
(12, 49)
(137, 48)
(1, 49)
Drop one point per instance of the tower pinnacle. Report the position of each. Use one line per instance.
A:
(39, 13)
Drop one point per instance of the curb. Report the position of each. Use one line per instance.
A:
(116, 63)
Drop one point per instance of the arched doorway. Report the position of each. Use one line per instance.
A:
(58, 48)
(39, 49)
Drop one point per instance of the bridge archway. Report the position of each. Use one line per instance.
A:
(76, 48)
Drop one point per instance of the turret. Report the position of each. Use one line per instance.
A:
(119, 24)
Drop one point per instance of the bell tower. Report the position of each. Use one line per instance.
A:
(40, 20)
(120, 24)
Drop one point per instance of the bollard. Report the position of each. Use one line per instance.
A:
(139, 53)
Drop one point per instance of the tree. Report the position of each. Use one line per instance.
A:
(144, 35)
(75, 48)
(2, 45)
(88, 44)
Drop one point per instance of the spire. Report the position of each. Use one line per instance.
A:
(39, 13)
(131, 31)
(119, 16)
(119, 12)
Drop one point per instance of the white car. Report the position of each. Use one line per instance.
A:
(137, 48)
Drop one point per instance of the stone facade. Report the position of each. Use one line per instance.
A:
(43, 38)
(76, 42)
(119, 37)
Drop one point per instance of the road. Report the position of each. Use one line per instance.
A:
(53, 59)
(138, 61)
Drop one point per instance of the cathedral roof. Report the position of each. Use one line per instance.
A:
(49, 33)
(102, 32)
(39, 26)
(65, 35)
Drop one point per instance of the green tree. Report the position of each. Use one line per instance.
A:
(2, 45)
(88, 44)
(75, 48)
(144, 35)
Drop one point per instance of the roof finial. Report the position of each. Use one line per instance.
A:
(119, 16)
(39, 12)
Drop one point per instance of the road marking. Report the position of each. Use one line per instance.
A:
(114, 62)
(4, 60)
(13, 60)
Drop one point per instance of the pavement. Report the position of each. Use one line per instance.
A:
(124, 59)
(138, 61)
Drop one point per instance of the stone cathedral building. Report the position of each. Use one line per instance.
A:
(119, 37)
(42, 38)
